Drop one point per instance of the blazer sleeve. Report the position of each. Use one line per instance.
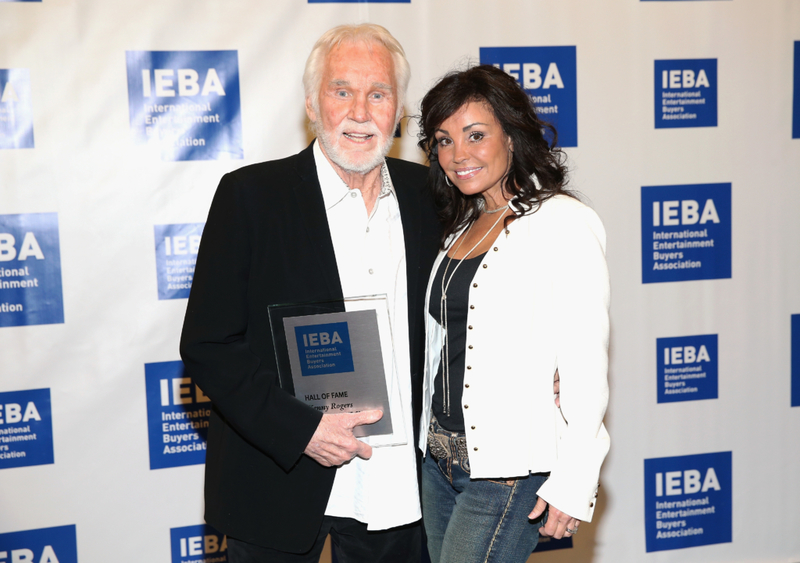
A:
(581, 290)
(215, 347)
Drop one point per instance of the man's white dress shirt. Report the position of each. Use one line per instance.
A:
(370, 255)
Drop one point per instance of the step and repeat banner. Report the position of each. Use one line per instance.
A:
(681, 119)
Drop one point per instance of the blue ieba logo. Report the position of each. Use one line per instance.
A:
(796, 101)
(551, 544)
(686, 93)
(177, 416)
(16, 114)
(186, 103)
(687, 501)
(30, 270)
(26, 428)
(176, 256)
(198, 544)
(687, 368)
(549, 76)
(45, 545)
(324, 348)
(686, 232)
(795, 360)
(359, 1)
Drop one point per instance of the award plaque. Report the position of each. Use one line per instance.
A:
(338, 358)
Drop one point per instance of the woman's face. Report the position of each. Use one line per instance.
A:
(474, 151)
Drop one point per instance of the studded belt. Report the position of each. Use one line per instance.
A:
(444, 444)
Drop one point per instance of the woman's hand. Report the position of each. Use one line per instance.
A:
(559, 524)
(557, 389)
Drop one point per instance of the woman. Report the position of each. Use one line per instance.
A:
(518, 297)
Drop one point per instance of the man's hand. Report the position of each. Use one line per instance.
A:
(333, 442)
(559, 524)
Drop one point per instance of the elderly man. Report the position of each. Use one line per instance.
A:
(337, 220)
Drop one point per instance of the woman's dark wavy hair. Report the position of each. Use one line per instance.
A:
(514, 110)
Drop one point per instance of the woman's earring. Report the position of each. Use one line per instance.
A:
(447, 180)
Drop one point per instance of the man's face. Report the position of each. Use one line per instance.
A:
(356, 114)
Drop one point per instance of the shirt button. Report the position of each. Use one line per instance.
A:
(354, 194)
(466, 385)
(470, 327)
(591, 504)
(371, 271)
(472, 427)
(475, 449)
(472, 306)
(495, 249)
(485, 266)
(470, 346)
(367, 229)
(469, 367)
(466, 406)
(474, 285)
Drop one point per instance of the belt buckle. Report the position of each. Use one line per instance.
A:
(437, 450)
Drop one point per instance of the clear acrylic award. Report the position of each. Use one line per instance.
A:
(338, 357)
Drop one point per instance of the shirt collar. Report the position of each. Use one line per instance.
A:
(333, 187)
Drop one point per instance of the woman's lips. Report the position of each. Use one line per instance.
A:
(467, 173)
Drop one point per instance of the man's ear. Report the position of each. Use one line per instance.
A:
(400, 114)
(312, 116)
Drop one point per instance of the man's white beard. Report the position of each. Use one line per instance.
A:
(342, 159)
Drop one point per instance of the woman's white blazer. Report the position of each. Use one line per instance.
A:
(539, 302)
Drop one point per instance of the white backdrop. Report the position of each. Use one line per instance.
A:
(110, 192)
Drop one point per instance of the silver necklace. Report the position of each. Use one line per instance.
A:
(444, 359)
(493, 211)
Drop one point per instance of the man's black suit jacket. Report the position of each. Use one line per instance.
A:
(267, 241)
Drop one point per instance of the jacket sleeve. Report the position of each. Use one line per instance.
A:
(581, 290)
(214, 344)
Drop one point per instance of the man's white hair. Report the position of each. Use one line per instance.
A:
(369, 33)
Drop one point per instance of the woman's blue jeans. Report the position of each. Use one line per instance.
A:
(477, 520)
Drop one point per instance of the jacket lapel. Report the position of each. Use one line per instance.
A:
(408, 201)
(311, 207)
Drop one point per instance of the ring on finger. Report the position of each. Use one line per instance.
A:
(571, 531)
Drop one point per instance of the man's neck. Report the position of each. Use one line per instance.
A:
(368, 183)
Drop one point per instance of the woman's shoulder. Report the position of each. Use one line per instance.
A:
(563, 207)
(563, 203)
(567, 217)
